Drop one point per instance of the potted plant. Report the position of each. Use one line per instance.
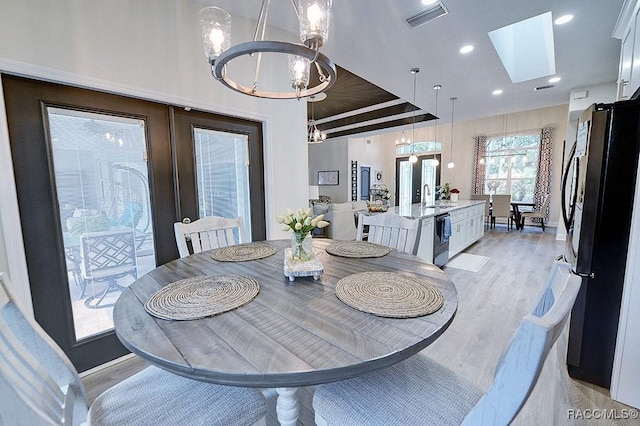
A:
(444, 191)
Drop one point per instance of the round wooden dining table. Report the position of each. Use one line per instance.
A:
(291, 334)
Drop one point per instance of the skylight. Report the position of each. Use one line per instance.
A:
(526, 48)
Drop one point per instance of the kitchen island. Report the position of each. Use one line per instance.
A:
(467, 224)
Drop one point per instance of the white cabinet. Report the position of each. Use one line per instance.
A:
(626, 65)
(626, 363)
(425, 247)
(458, 235)
(467, 227)
(628, 32)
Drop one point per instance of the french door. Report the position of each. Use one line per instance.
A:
(417, 182)
(226, 167)
(101, 179)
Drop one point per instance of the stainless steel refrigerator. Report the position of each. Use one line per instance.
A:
(598, 190)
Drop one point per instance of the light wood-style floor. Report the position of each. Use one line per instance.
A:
(491, 304)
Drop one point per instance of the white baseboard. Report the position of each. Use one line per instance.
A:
(106, 365)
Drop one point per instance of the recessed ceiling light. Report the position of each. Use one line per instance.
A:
(554, 79)
(428, 2)
(563, 19)
(497, 92)
(466, 49)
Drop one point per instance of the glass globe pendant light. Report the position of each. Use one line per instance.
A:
(435, 161)
(451, 164)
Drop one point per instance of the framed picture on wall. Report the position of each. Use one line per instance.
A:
(329, 177)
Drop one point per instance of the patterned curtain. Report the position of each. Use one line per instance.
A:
(543, 182)
(478, 168)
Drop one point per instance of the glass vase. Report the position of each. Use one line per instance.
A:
(301, 246)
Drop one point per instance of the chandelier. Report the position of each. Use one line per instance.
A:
(314, 135)
(313, 17)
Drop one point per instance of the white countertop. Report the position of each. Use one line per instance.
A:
(417, 211)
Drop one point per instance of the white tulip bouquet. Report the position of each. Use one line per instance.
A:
(301, 221)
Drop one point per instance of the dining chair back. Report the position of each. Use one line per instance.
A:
(40, 386)
(38, 383)
(391, 230)
(501, 207)
(487, 204)
(208, 233)
(520, 365)
(538, 214)
(426, 392)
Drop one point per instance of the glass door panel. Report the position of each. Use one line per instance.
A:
(101, 180)
(102, 187)
(222, 175)
(405, 172)
(416, 182)
(428, 181)
(220, 167)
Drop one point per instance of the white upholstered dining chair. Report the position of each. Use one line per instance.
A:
(501, 207)
(538, 214)
(422, 391)
(208, 233)
(40, 386)
(391, 230)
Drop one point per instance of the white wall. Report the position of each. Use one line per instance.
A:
(626, 363)
(371, 154)
(599, 93)
(149, 49)
(331, 155)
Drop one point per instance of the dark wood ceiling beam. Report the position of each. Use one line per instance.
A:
(375, 114)
(380, 126)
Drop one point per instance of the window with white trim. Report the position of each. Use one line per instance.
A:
(511, 165)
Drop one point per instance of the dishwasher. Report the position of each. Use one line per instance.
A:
(442, 233)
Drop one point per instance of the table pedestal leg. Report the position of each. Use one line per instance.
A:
(287, 406)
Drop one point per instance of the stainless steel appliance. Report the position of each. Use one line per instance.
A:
(598, 191)
(441, 239)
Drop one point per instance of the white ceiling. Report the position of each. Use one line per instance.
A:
(371, 39)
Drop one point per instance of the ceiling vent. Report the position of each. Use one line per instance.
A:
(428, 15)
(544, 87)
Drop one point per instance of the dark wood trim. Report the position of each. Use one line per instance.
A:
(26, 100)
(416, 174)
(169, 148)
(184, 123)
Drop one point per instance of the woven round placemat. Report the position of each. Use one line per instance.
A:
(202, 296)
(243, 252)
(359, 249)
(389, 294)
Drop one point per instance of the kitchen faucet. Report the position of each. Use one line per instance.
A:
(426, 191)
